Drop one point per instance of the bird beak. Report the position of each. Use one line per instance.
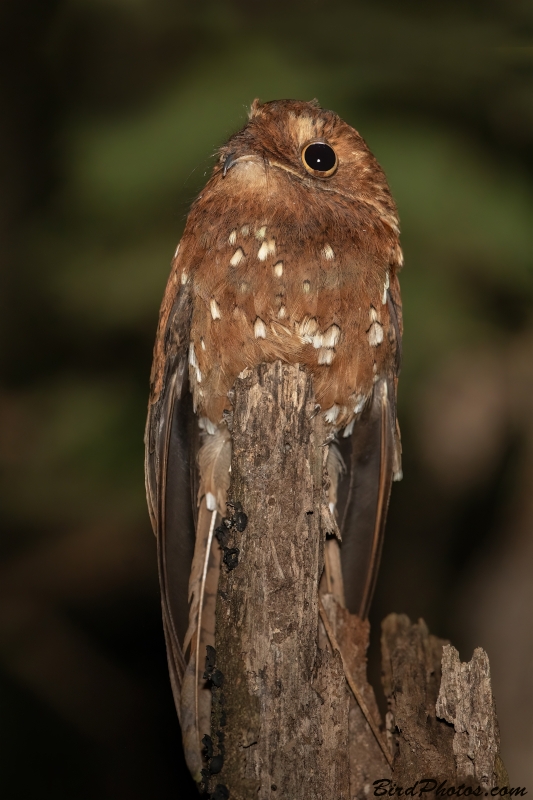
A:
(228, 163)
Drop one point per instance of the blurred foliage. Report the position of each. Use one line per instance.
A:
(111, 112)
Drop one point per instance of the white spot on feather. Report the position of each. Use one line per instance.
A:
(263, 252)
(232, 238)
(260, 234)
(177, 250)
(237, 257)
(215, 310)
(327, 252)
(373, 314)
(259, 329)
(359, 403)
(202, 343)
(210, 501)
(348, 429)
(192, 356)
(331, 414)
(245, 230)
(306, 286)
(282, 313)
(308, 328)
(331, 336)
(325, 355)
(205, 424)
(375, 334)
(268, 248)
(385, 288)
(278, 269)
(184, 277)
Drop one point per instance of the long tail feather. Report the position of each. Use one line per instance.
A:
(214, 459)
(201, 609)
(195, 699)
(334, 583)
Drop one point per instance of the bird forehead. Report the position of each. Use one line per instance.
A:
(294, 120)
(303, 127)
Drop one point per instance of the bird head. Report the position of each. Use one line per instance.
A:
(290, 145)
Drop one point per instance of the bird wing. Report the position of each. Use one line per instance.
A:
(171, 441)
(187, 562)
(372, 456)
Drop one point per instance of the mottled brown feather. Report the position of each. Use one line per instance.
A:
(276, 263)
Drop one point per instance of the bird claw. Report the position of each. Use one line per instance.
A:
(315, 411)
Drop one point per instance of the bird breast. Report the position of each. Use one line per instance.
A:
(264, 305)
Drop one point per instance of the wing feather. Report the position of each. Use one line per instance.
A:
(188, 562)
(364, 496)
(168, 480)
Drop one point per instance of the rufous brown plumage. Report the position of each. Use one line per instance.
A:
(290, 252)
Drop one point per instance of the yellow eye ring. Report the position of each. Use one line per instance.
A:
(319, 159)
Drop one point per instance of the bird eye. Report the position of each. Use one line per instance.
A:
(319, 159)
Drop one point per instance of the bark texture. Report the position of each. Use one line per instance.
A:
(280, 712)
(465, 701)
(366, 758)
(411, 659)
(442, 719)
(284, 722)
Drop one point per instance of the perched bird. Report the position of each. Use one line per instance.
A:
(290, 252)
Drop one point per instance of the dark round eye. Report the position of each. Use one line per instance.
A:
(319, 159)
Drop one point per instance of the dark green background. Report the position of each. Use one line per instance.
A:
(110, 113)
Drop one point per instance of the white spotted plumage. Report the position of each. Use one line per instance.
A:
(237, 257)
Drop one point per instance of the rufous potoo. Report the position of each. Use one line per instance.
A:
(290, 252)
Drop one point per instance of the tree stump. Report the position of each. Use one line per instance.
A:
(293, 715)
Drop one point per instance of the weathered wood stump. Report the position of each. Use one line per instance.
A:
(284, 702)
(285, 721)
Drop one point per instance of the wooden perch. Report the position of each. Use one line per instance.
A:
(442, 719)
(284, 702)
(293, 716)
